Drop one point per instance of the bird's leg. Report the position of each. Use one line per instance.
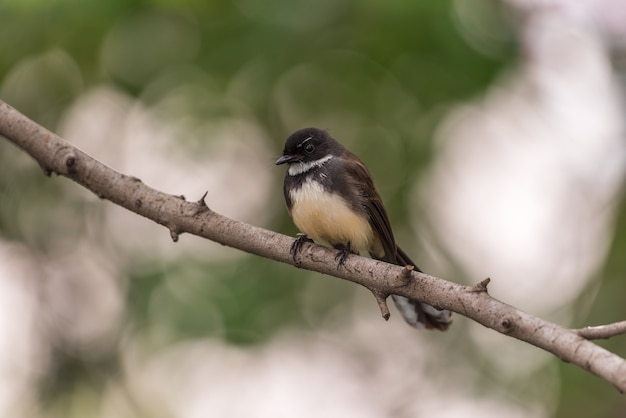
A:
(342, 255)
(296, 247)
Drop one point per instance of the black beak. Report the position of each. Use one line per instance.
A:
(286, 159)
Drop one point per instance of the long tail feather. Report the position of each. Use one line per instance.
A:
(418, 314)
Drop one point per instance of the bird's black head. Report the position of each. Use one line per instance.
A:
(308, 145)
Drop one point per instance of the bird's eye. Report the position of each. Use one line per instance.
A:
(309, 148)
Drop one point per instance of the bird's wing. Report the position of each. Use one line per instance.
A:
(373, 206)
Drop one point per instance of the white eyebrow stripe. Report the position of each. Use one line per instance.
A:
(303, 142)
(299, 168)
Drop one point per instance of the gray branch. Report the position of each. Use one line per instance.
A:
(55, 155)
(602, 332)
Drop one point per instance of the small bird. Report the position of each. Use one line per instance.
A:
(333, 201)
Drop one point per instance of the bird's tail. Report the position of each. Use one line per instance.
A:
(416, 313)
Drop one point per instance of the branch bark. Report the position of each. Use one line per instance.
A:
(55, 155)
(601, 332)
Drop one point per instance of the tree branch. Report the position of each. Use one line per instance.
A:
(602, 331)
(55, 155)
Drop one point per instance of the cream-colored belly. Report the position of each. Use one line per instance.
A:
(328, 220)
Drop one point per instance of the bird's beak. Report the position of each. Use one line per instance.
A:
(286, 159)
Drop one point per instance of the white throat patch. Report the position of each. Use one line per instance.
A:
(299, 168)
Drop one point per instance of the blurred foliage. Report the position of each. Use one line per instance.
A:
(387, 69)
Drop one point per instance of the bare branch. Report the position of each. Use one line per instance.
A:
(381, 299)
(602, 331)
(180, 216)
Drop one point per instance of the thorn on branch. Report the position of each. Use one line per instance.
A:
(201, 202)
(174, 234)
(201, 205)
(381, 299)
(481, 287)
(405, 274)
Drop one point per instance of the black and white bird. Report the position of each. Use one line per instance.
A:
(332, 199)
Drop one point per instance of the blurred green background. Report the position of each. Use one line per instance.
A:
(194, 96)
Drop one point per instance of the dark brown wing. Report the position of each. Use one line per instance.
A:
(371, 203)
(382, 227)
(415, 313)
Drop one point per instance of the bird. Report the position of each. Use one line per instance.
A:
(333, 201)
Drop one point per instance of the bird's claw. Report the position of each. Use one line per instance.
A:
(342, 255)
(296, 247)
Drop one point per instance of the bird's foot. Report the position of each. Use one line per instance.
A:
(342, 255)
(296, 247)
